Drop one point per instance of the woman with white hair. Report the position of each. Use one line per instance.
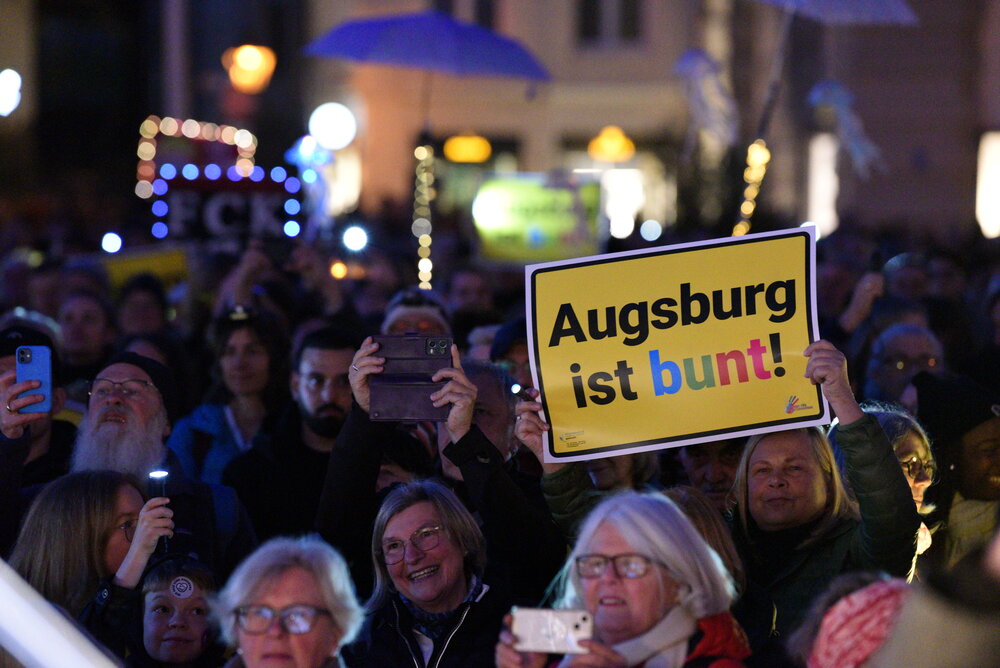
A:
(290, 603)
(658, 594)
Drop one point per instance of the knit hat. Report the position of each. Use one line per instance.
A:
(411, 301)
(857, 625)
(161, 376)
(15, 336)
(511, 332)
(948, 406)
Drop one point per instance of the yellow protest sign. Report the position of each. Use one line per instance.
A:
(675, 345)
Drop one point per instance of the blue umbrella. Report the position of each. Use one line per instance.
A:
(830, 12)
(432, 41)
(850, 12)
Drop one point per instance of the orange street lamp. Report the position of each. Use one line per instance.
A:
(467, 147)
(250, 67)
(611, 145)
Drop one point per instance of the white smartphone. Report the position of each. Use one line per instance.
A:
(551, 631)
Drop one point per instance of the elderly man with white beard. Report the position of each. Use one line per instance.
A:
(130, 408)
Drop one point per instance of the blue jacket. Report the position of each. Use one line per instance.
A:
(204, 443)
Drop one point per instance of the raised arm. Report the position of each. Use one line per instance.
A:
(887, 540)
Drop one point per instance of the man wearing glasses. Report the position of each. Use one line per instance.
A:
(130, 408)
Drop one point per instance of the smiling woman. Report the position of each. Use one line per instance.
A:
(430, 605)
(250, 385)
(796, 527)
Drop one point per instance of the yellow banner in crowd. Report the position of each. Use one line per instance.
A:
(675, 345)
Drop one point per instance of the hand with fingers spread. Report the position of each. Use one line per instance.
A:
(155, 520)
(12, 421)
(364, 364)
(827, 367)
(460, 392)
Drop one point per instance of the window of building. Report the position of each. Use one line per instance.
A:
(446, 6)
(485, 13)
(608, 22)
(588, 21)
(628, 20)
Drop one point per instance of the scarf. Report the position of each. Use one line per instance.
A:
(436, 624)
(663, 646)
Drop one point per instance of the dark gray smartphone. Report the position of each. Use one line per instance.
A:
(401, 393)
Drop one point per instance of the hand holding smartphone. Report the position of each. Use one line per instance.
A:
(401, 393)
(551, 631)
(35, 363)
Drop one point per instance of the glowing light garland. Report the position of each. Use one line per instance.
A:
(423, 195)
(154, 126)
(757, 158)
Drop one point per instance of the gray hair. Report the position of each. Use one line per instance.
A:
(275, 557)
(655, 527)
(458, 524)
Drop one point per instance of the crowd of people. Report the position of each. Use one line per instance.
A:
(289, 526)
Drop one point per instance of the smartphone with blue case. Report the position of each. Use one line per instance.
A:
(35, 363)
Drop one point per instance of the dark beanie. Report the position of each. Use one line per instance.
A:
(15, 336)
(161, 376)
(949, 406)
(511, 332)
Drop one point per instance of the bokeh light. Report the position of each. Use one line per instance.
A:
(333, 125)
(111, 243)
(355, 238)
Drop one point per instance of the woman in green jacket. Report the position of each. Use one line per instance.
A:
(795, 525)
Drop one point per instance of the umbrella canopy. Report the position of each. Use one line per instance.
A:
(432, 41)
(846, 12)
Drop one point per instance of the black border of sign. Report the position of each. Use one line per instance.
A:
(809, 269)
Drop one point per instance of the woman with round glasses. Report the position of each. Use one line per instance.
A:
(290, 603)
(913, 449)
(658, 594)
(431, 605)
(84, 545)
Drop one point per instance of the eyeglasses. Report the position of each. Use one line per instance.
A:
(295, 619)
(512, 367)
(904, 363)
(129, 529)
(102, 388)
(629, 565)
(913, 466)
(424, 539)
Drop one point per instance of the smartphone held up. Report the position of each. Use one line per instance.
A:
(401, 393)
(35, 363)
(551, 631)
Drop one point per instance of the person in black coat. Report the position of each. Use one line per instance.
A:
(475, 447)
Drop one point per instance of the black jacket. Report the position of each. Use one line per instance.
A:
(279, 479)
(524, 546)
(387, 637)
